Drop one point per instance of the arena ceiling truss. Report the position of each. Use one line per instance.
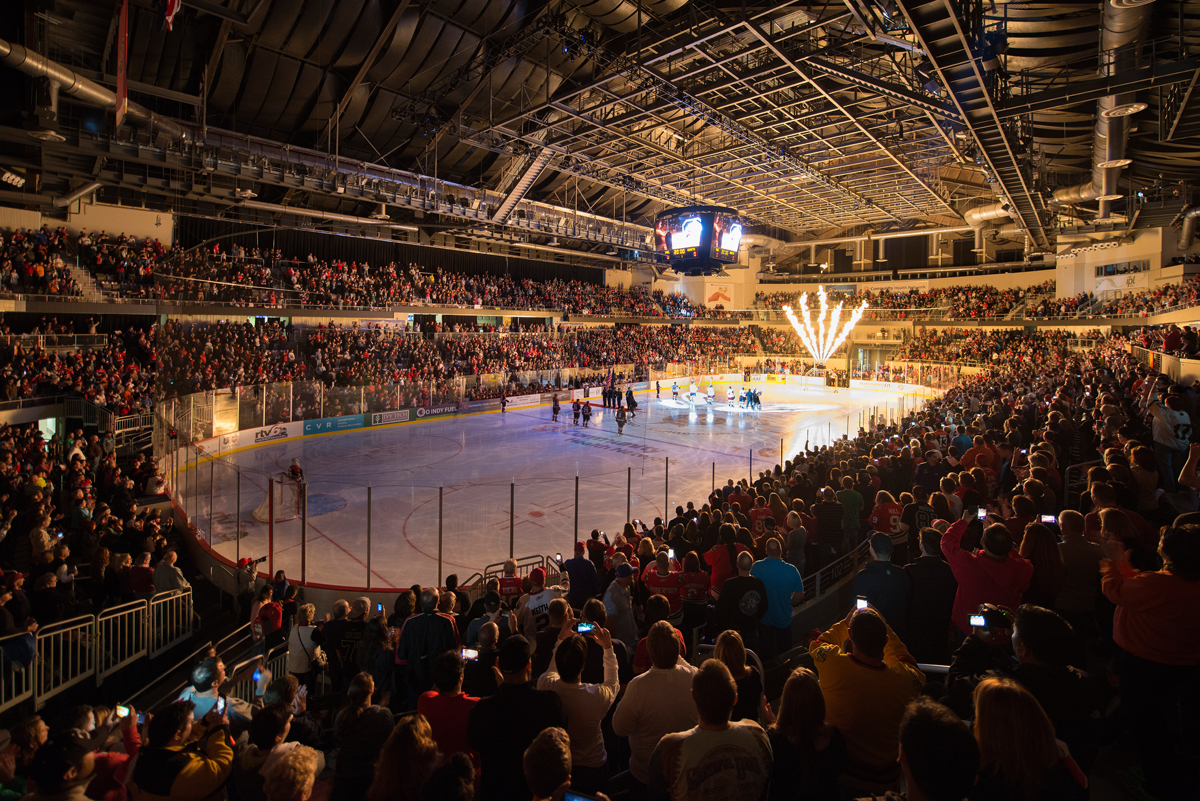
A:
(812, 118)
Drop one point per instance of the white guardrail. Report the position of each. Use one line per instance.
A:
(58, 656)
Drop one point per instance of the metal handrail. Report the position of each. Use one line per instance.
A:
(66, 656)
(16, 678)
(113, 633)
(190, 659)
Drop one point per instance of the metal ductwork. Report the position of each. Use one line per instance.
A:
(21, 58)
(324, 215)
(1125, 26)
(622, 15)
(67, 200)
(1187, 234)
(983, 214)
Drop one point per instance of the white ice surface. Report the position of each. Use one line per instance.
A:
(476, 457)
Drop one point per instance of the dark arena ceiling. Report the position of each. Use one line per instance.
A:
(812, 119)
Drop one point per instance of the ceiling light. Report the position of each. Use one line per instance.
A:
(381, 213)
(1108, 165)
(1110, 197)
(247, 193)
(14, 179)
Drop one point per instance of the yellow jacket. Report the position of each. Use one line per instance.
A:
(183, 773)
(865, 701)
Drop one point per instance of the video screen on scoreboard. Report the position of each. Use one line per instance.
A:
(683, 236)
(727, 236)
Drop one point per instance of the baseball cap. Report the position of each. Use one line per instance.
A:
(580, 547)
(55, 758)
(537, 576)
(624, 570)
(245, 560)
(11, 578)
(513, 655)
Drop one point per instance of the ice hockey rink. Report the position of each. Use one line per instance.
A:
(393, 480)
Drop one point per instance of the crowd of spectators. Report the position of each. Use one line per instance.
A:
(1065, 615)
(1150, 301)
(119, 375)
(779, 340)
(34, 262)
(985, 347)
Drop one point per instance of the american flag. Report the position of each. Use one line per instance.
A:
(169, 9)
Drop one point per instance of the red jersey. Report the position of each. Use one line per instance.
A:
(510, 589)
(757, 515)
(694, 586)
(669, 586)
(885, 518)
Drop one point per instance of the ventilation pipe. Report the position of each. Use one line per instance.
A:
(324, 215)
(1125, 26)
(20, 58)
(1188, 232)
(67, 200)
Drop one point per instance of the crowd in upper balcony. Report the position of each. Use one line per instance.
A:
(34, 262)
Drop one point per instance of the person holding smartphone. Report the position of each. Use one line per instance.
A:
(584, 705)
(165, 768)
(994, 574)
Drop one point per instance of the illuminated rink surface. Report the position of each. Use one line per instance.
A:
(476, 457)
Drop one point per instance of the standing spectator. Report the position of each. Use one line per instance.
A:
(930, 601)
(406, 762)
(866, 690)
(502, 726)
(660, 579)
(359, 731)
(1172, 431)
(423, 637)
(731, 651)
(166, 768)
(583, 578)
(618, 605)
(743, 602)
(885, 586)
(304, 650)
(1040, 547)
(722, 557)
(808, 752)
(1018, 755)
(717, 759)
(828, 514)
(938, 755)
(852, 503)
(785, 589)
(1155, 625)
(886, 517)
(547, 764)
(996, 574)
(1041, 642)
(1076, 600)
(657, 702)
(584, 705)
(291, 778)
(446, 707)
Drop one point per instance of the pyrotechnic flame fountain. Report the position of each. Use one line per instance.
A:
(823, 342)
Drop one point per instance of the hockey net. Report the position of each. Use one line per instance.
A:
(289, 499)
